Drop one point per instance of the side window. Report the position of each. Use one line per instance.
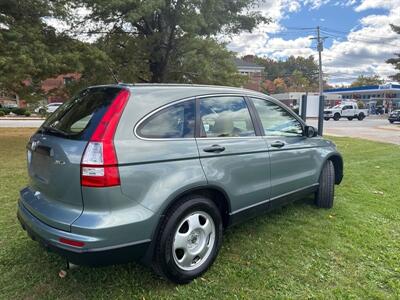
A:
(176, 121)
(225, 116)
(276, 120)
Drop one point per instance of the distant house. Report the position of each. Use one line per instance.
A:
(253, 71)
(52, 87)
(7, 100)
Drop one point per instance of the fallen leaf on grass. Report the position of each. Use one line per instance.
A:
(378, 192)
(62, 274)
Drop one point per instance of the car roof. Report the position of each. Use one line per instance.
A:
(163, 93)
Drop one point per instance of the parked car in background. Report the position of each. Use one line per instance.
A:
(345, 110)
(394, 116)
(49, 108)
(156, 172)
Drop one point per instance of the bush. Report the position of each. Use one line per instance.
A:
(18, 111)
(2, 113)
(27, 113)
(360, 104)
(6, 111)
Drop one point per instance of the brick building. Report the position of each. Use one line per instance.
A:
(53, 88)
(253, 71)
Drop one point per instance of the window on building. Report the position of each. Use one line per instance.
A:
(68, 80)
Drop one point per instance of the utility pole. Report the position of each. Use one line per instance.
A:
(320, 48)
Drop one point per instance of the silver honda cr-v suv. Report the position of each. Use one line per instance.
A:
(156, 172)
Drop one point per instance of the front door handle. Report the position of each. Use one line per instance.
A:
(277, 144)
(214, 148)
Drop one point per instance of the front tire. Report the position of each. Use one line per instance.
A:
(189, 239)
(350, 118)
(326, 190)
(336, 117)
(391, 121)
(326, 119)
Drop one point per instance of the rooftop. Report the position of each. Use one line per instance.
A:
(240, 63)
(366, 88)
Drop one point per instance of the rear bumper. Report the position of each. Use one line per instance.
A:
(49, 237)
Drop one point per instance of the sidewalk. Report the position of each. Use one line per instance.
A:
(21, 118)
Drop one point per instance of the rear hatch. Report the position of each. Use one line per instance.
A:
(54, 155)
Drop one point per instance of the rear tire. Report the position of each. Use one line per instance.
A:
(189, 239)
(336, 117)
(361, 117)
(326, 190)
(326, 119)
(391, 121)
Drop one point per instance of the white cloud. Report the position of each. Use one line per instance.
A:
(369, 4)
(366, 48)
(315, 4)
(363, 51)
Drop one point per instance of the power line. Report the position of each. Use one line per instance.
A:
(357, 39)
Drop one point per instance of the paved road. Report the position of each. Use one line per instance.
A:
(370, 128)
(21, 123)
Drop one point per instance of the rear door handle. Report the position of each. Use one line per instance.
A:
(214, 148)
(277, 144)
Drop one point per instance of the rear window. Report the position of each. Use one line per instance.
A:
(79, 117)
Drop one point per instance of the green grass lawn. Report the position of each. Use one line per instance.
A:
(299, 251)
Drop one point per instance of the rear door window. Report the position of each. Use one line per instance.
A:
(175, 121)
(79, 117)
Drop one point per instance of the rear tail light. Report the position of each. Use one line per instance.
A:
(99, 166)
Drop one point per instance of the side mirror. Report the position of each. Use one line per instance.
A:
(310, 131)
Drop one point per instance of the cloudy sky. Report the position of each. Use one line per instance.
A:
(358, 35)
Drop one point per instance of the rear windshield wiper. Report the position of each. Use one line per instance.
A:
(55, 130)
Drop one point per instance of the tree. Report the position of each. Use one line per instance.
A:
(298, 82)
(32, 51)
(298, 73)
(396, 60)
(280, 85)
(268, 86)
(367, 80)
(172, 40)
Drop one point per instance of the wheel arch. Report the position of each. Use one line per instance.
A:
(214, 193)
(337, 161)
